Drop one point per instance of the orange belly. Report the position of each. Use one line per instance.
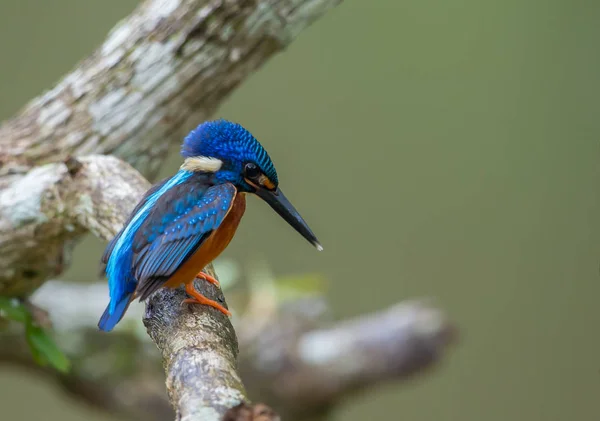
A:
(212, 247)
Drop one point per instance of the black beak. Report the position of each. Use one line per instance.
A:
(286, 210)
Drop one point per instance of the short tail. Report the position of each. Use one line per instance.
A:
(108, 321)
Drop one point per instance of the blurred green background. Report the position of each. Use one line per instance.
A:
(437, 148)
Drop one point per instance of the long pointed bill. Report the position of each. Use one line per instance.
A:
(286, 210)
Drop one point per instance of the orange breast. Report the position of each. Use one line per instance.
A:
(213, 246)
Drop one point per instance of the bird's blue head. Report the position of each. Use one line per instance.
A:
(231, 152)
(228, 148)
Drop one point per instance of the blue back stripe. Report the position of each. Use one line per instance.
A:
(118, 268)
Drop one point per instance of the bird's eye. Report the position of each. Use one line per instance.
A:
(251, 170)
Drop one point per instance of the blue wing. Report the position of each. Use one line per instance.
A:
(121, 284)
(111, 244)
(179, 223)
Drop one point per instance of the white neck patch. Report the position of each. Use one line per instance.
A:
(202, 163)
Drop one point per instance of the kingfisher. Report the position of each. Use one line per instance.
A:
(184, 222)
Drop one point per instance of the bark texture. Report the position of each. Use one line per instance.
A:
(199, 351)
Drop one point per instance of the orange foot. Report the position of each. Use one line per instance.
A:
(208, 278)
(201, 299)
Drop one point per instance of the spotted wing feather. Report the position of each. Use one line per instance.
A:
(175, 230)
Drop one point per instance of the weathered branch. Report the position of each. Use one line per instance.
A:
(199, 350)
(161, 71)
(321, 365)
(295, 361)
(51, 206)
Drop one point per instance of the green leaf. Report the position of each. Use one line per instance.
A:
(44, 350)
(12, 309)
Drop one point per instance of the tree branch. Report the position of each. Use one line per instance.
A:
(296, 361)
(199, 350)
(321, 365)
(160, 72)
